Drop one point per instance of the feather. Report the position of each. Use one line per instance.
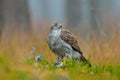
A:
(70, 39)
(85, 60)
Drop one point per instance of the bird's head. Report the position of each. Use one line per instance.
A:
(56, 29)
(56, 26)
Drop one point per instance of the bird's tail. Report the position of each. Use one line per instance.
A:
(85, 60)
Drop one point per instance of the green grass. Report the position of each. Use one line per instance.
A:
(43, 70)
(7, 72)
(76, 71)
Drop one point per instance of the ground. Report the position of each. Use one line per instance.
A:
(15, 62)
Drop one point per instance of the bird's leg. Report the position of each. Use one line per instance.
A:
(59, 62)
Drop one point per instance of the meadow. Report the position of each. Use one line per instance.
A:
(102, 52)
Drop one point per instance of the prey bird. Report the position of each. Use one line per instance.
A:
(64, 44)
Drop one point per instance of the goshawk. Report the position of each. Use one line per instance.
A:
(64, 44)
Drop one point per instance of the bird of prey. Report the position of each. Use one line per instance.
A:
(64, 44)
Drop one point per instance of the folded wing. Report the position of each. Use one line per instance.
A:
(70, 39)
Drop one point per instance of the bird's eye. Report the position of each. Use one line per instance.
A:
(60, 26)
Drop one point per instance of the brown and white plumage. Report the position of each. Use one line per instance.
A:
(64, 44)
(70, 39)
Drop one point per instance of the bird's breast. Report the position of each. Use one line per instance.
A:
(52, 41)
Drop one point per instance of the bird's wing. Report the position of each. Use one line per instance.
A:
(70, 39)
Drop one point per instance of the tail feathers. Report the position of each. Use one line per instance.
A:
(85, 60)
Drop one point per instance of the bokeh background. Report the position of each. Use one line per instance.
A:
(26, 23)
(83, 14)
